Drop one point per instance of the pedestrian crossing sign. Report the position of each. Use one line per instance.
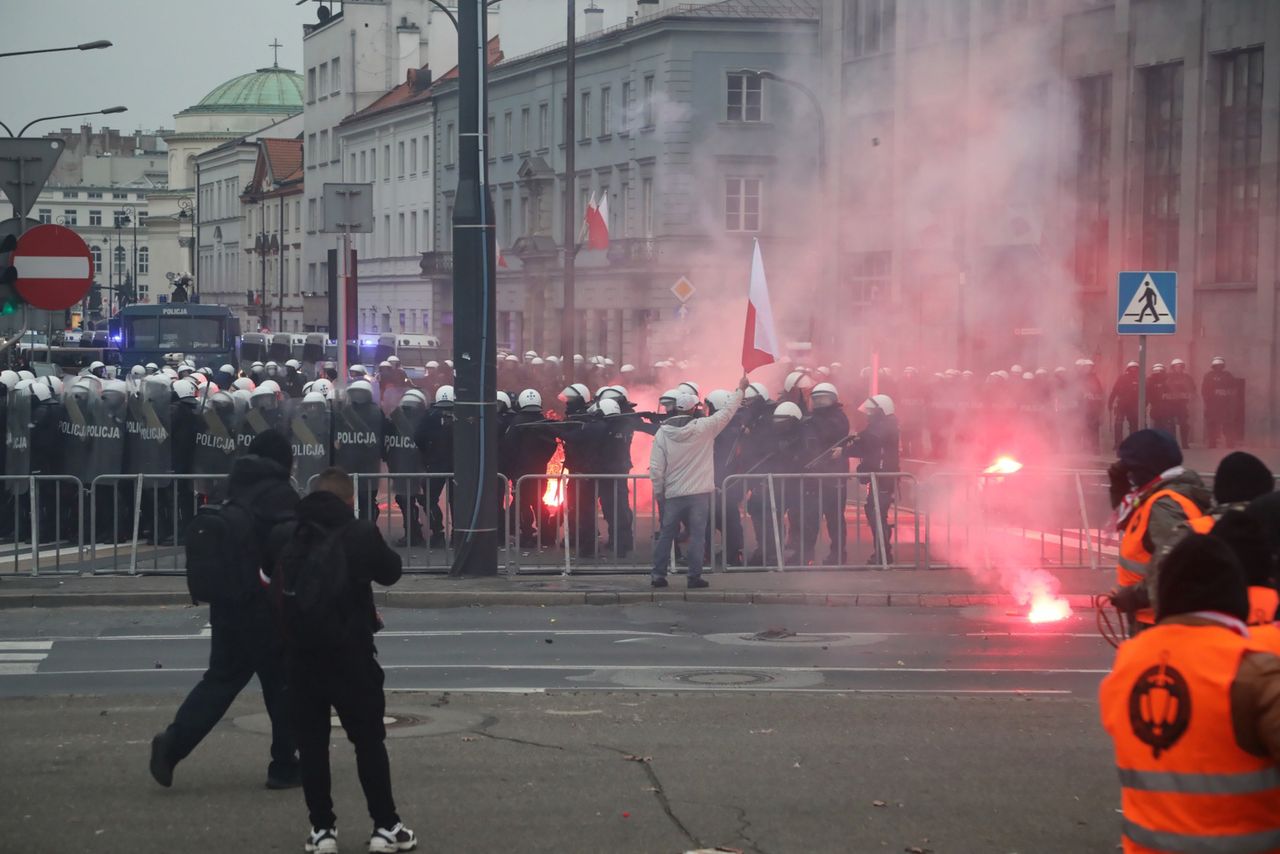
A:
(1147, 303)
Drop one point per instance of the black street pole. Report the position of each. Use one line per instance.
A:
(568, 317)
(474, 296)
(280, 270)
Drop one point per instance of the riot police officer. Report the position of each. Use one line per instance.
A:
(1220, 392)
(877, 450)
(825, 497)
(434, 437)
(1123, 403)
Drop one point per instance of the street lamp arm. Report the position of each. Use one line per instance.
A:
(6, 129)
(443, 8)
(108, 111)
(94, 45)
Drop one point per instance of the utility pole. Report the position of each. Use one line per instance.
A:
(474, 296)
(568, 317)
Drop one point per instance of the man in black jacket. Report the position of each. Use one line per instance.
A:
(877, 450)
(244, 639)
(341, 672)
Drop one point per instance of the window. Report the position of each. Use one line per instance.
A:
(323, 85)
(413, 156)
(95, 194)
(626, 209)
(491, 139)
(448, 144)
(402, 319)
(96, 252)
(120, 196)
(544, 121)
(646, 202)
(284, 214)
(744, 98)
(386, 162)
(311, 149)
(144, 261)
(311, 85)
(648, 101)
(70, 194)
(373, 163)
(626, 106)
(1093, 96)
(95, 217)
(69, 217)
(1239, 164)
(400, 158)
(869, 26)
(506, 132)
(364, 163)
(606, 111)
(337, 76)
(868, 276)
(742, 204)
(323, 153)
(523, 225)
(1161, 165)
(311, 214)
(46, 215)
(524, 129)
(351, 171)
(297, 215)
(120, 260)
(584, 116)
(508, 235)
(426, 154)
(412, 248)
(425, 241)
(448, 226)
(401, 239)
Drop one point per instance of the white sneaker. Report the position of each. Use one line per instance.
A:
(322, 841)
(391, 840)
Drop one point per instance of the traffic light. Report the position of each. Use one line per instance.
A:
(9, 298)
(95, 298)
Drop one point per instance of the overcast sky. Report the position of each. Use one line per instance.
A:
(168, 54)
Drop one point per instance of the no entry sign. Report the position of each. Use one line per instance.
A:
(55, 269)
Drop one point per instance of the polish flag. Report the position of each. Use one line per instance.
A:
(760, 339)
(598, 224)
(502, 260)
(585, 229)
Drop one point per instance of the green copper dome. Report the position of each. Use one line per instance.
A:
(267, 90)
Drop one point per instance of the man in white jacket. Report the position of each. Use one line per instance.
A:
(682, 467)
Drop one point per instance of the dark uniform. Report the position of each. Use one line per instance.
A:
(434, 437)
(877, 450)
(1220, 391)
(824, 498)
(1123, 403)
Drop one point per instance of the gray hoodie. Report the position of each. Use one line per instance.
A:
(682, 461)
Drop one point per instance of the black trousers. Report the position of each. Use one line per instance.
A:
(245, 642)
(350, 683)
(581, 507)
(824, 500)
(436, 487)
(408, 497)
(615, 506)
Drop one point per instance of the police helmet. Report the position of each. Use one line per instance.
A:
(1157, 368)
(504, 401)
(314, 397)
(9, 378)
(881, 403)
(537, 362)
(757, 389)
(785, 411)
(444, 395)
(824, 395)
(293, 363)
(323, 386)
(184, 389)
(686, 401)
(799, 379)
(627, 369)
(243, 384)
(432, 365)
(609, 406)
(41, 392)
(530, 399)
(717, 400)
(668, 398)
(413, 399)
(357, 370)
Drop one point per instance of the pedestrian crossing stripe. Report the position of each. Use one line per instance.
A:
(22, 657)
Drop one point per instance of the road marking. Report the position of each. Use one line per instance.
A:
(20, 658)
(750, 689)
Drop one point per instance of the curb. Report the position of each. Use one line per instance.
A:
(463, 599)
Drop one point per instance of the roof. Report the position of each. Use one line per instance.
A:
(267, 90)
(413, 91)
(284, 158)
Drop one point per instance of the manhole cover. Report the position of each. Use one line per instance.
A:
(399, 723)
(390, 721)
(794, 638)
(818, 640)
(720, 677)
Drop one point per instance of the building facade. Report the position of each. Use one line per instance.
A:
(999, 162)
(694, 153)
(272, 237)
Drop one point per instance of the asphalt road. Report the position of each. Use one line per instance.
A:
(646, 728)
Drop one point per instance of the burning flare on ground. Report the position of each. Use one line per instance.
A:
(1039, 590)
(1003, 465)
(554, 494)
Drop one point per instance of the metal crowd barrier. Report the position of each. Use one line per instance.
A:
(556, 521)
(138, 520)
(1034, 517)
(429, 545)
(792, 515)
(41, 523)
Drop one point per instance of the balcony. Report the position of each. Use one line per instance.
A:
(436, 264)
(633, 252)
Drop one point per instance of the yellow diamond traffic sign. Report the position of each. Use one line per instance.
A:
(683, 289)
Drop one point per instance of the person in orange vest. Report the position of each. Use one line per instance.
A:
(1151, 494)
(1192, 706)
(1240, 479)
(1248, 540)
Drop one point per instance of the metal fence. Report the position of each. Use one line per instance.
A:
(555, 522)
(41, 524)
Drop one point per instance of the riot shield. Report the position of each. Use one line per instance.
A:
(79, 411)
(402, 454)
(108, 430)
(257, 419)
(310, 434)
(147, 429)
(215, 442)
(17, 439)
(357, 437)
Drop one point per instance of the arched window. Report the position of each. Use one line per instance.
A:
(96, 251)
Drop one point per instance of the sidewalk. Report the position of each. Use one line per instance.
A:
(897, 587)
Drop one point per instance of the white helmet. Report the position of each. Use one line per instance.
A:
(537, 362)
(9, 378)
(432, 365)
(609, 406)
(718, 399)
(293, 363)
(243, 383)
(669, 396)
(323, 386)
(55, 384)
(93, 366)
(444, 394)
(797, 378)
(393, 360)
(823, 395)
(184, 389)
(357, 370)
(1016, 370)
(689, 387)
(627, 369)
(1217, 360)
(228, 370)
(510, 358)
(152, 367)
(787, 410)
(530, 355)
(361, 387)
(269, 387)
(314, 397)
(41, 392)
(137, 372)
(877, 403)
(504, 399)
(199, 379)
(413, 398)
(617, 391)
(686, 401)
(383, 364)
(242, 396)
(530, 399)
(1177, 362)
(169, 372)
(449, 362)
(1157, 368)
(756, 389)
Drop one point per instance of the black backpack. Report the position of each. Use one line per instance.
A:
(310, 586)
(223, 552)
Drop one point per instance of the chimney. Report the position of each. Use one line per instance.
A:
(593, 19)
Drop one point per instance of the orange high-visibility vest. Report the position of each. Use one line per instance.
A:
(1186, 785)
(1263, 601)
(1266, 637)
(1134, 557)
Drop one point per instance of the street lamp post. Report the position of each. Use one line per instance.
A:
(104, 112)
(94, 45)
(264, 245)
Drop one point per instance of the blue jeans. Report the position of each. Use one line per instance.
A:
(692, 510)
